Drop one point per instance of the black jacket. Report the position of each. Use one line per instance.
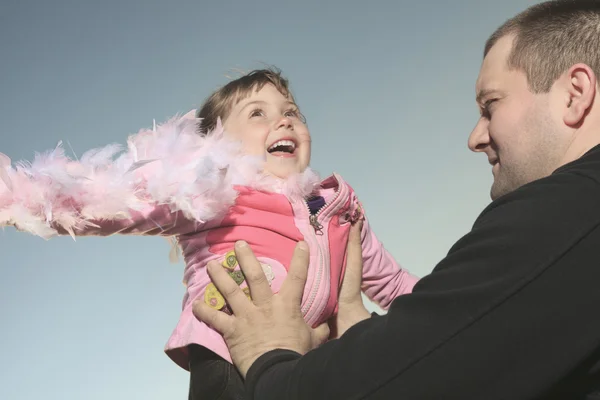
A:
(512, 312)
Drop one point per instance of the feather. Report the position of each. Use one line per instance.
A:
(169, 164)
(4, 167)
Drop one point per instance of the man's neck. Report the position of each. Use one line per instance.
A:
(583, 141)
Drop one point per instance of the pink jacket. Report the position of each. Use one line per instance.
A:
(205, 193)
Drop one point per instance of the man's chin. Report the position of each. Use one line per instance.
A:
(500, 189)
(493, 196)
(497, 190)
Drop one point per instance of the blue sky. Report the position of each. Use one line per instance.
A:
(388, 91)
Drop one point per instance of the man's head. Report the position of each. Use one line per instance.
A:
(259, 110)
(536, 91)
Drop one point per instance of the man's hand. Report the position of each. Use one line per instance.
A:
(268, 321)
(351, 309)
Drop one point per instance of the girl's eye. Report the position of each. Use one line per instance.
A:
(256, 113)
(292, 113)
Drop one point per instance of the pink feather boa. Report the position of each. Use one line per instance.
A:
(169, 164)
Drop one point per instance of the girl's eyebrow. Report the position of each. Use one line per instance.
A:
(251, 103)
(254, 102)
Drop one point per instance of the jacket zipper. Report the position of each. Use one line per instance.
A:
(318, 236)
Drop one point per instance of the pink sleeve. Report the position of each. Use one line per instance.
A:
(153, 220)
(168, 181)
(38, 202)
(383, 278)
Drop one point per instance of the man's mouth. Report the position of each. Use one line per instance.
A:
(284, 146)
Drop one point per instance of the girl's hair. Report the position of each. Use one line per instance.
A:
(220, 103)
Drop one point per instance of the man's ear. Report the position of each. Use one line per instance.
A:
(580, 83)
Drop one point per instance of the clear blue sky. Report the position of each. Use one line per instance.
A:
(388, 90)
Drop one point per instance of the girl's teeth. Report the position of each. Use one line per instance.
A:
(283, 143)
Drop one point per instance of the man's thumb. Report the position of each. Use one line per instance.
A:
(320, 334)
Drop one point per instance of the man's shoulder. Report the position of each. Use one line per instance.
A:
(535, 225)
(585, 167)
(576, 184)
(550, 211)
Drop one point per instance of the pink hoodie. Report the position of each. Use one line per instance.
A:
(205, 193)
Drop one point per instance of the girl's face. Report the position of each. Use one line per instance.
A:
(270, 124)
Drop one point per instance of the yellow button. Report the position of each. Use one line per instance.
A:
(230, 261)
(237, 276)
(213, 297)
(247, 292)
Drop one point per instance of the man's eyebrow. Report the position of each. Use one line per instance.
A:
(485, 93)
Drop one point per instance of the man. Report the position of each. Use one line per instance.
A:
(513, 311)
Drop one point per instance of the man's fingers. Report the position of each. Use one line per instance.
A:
(354, 247)
(293, 286)
(232, 293)
(354, 251)
(218, 320)
(320, 334)
(260, 290)
(351, 283)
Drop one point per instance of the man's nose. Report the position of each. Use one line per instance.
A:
(479, 139)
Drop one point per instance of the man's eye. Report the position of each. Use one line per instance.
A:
(486, 110)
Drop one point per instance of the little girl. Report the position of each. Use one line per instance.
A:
(206, 184)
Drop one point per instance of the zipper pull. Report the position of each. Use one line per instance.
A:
(316, 225)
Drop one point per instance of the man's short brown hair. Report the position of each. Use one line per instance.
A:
(551, 37)
(219, 104)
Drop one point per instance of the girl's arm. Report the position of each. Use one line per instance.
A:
(168, 181)
(383, 278)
